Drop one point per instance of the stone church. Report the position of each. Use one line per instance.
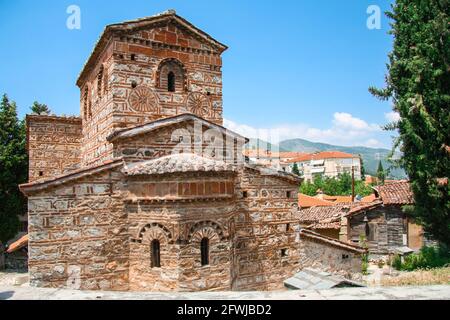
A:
(146, 190)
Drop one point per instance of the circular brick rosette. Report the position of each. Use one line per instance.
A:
(142, 99)
(198, 104)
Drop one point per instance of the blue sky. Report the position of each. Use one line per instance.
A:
(300, 67)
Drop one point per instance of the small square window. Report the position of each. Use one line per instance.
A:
(133, 57)
(288, 194)
(284, 252)
(244, 194)
(41, 173)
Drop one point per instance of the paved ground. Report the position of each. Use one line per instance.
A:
(393, 293)
(14, 286)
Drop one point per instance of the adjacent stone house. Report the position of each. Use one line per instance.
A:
(146, 190)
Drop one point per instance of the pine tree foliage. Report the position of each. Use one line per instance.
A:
(40, 109)
(13, 169)
(418, 83)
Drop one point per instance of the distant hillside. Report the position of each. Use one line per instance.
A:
(370, 156)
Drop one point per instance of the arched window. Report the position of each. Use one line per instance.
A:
(204, 249)
(171, 75)
(156, 255)
(171, 82)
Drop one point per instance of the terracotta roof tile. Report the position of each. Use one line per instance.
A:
(321, 214)
(396, 192)
(181, 162)
(305, 201)
(369, 199)
(338, 199)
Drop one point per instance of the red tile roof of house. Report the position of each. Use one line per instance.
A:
(324, 214)
(396, 192)
(305, 201)
(369, 199)
(337, 199)
(321, 156)
(19, 244)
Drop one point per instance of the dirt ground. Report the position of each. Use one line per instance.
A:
(387, 276)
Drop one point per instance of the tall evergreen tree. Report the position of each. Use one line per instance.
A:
(295, 169)
(418, 82)
(13, 169)
(381, 175)
(40, 108)
(363, 169)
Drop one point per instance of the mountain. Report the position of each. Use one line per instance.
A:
(370, 156)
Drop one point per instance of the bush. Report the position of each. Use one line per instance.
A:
(427, 258)
(397, 262)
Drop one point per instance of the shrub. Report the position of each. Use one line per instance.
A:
(426, 258)
(397, 262)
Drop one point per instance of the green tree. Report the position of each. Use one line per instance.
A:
(13, 168)
(295, 169)
(418, 83)
(40, 108)
(381, 175)
(363, 169)
(308, 188)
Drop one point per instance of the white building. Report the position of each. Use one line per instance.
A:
(327, 163)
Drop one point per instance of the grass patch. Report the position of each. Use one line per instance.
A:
(419, 277)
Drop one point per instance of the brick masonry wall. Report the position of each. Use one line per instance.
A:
(53, 145)
(180, 227)
(178, 138)
(131, 66)
(265, 239)
(78, 236)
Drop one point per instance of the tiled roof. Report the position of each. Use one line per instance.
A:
(369, 199)
(321, 156)
(181, 162)
(17, 245)
(305, 201)
(69, 176)
(164, 122)
(363, 207)
(320, 214)
(338, 199)
(396, 192)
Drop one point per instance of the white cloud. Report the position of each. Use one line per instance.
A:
(345, 130)
(392, 116)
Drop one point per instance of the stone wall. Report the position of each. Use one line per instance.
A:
(180, 138)
(179, 225)
(324, 256)
(265, 243)
(125, 89)
(78, 235)
(53, 145)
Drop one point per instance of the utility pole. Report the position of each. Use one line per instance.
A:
(353, 183)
